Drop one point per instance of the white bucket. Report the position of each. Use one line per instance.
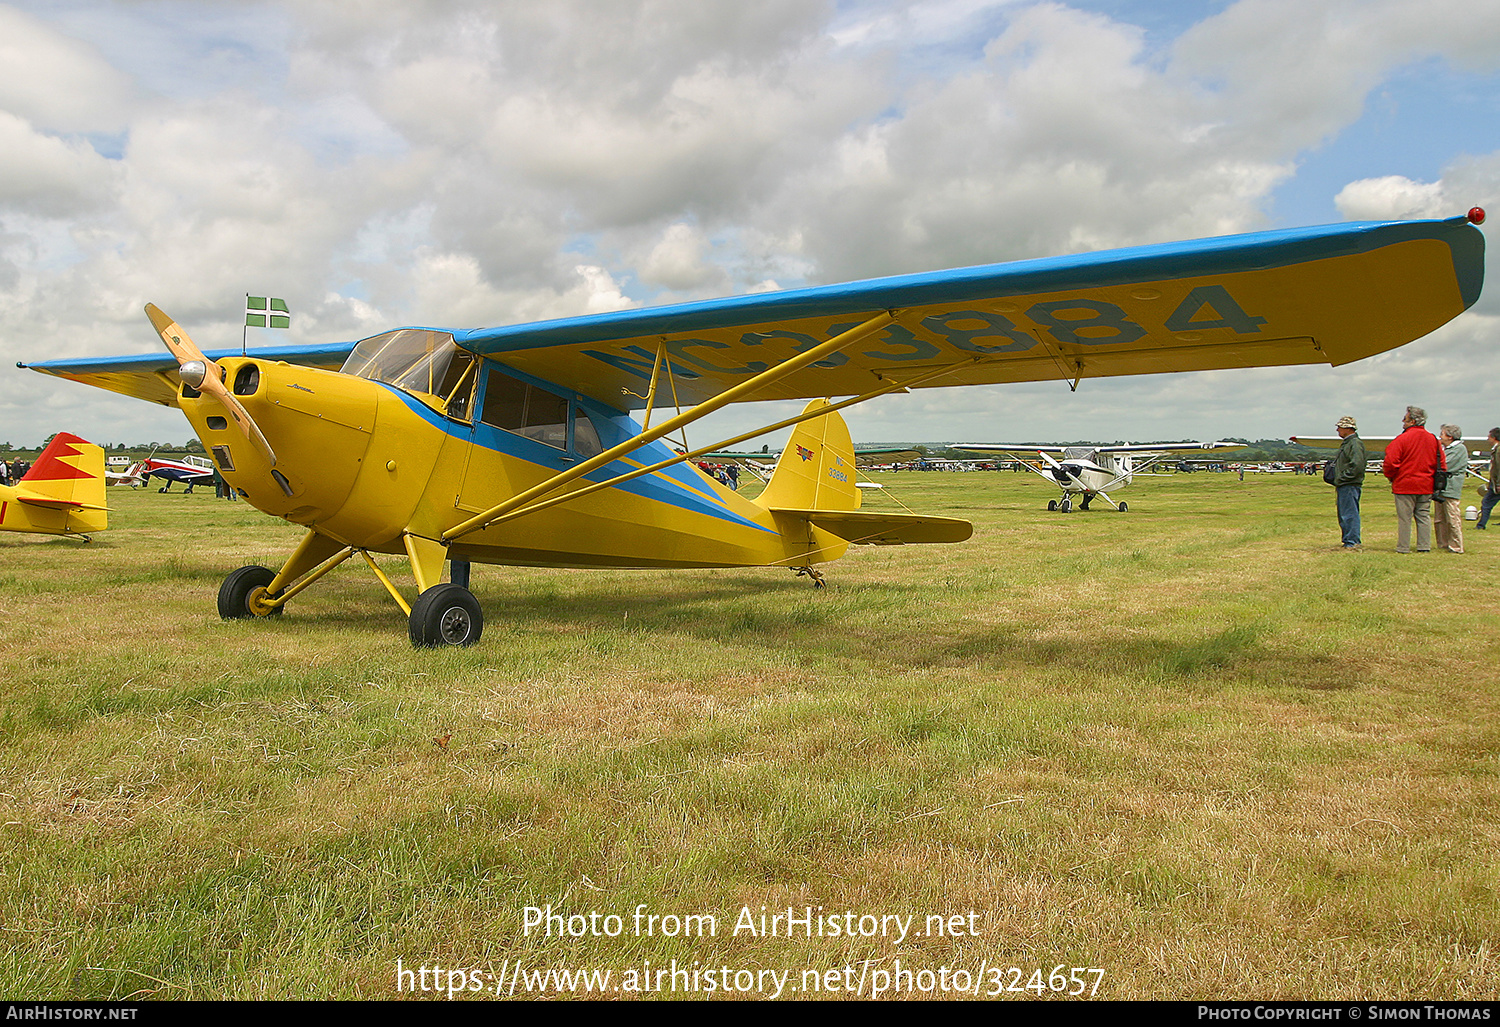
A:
(1471, 513)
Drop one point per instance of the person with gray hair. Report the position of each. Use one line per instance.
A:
(1489, 494)
(1411, 460)
(1447, 516)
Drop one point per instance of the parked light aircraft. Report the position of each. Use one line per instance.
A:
(124, 473)
(192, 471)
(515, 445)
(763, 465)
(1375, 447)
(62, 494)
(1092, 471)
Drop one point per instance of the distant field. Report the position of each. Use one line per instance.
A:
(1191, 747)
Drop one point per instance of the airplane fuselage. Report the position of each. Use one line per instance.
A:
(364, 463)
(1086, 477)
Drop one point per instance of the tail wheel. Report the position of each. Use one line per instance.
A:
(244, 591)
(445, 614)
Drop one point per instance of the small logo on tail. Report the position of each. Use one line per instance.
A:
(804, 453)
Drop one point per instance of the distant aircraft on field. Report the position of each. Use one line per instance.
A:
(1091, 471)
(1375, 447)
(62, 494)
(190, 470)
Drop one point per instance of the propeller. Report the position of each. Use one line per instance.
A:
(204, 375)
(1055, 467)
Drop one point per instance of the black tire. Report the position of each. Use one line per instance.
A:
(1051, 504)
(1124, 507)
(1067, 505)
(234, 594)
(445, 614)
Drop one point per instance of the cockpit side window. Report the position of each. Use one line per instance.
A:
(522, 408)
(585, 435)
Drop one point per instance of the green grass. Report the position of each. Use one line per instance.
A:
(1191, 745)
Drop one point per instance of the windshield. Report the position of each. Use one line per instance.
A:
(413, 359)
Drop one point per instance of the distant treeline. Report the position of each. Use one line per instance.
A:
(139, 450)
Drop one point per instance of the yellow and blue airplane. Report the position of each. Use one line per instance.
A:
(62, 493)
(517, 444)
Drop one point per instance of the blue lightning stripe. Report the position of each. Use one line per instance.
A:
(655, 487)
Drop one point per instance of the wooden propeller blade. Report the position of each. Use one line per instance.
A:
(183, 349)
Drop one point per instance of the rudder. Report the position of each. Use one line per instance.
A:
(69, 474)
(816, 470)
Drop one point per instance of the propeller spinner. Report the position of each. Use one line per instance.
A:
(204, 375)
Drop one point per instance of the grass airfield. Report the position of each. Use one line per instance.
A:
(1192, 746)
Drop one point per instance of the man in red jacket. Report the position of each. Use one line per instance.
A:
(1410, 461)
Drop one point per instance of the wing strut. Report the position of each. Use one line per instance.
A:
(708, 406)
(684, 457)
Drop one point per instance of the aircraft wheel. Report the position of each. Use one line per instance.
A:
(242, 593)
(445, 614)
(1051, 504)
(1124, 507)
(1067, 504)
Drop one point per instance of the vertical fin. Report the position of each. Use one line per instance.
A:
(69, 471)
(816, 470)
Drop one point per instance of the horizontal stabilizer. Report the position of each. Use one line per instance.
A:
(883, 529)
(57, 504)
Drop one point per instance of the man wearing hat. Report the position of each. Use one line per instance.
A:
(1349, 480)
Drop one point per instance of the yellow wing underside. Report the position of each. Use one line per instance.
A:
(1322, 312)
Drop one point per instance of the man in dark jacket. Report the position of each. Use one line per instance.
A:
(1410, 461)
(1349, 480)
(1489, 495)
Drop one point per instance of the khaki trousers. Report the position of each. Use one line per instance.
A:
(1448, 524)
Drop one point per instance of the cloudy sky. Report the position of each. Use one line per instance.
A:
(456, 163)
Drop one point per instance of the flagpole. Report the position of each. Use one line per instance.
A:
(243, 324)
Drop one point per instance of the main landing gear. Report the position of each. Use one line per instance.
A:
(1066, 504)
(243, 594)
(444, 614)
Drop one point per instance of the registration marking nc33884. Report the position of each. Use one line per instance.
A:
(1079, 321)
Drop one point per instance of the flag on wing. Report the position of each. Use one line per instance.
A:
(266, 312)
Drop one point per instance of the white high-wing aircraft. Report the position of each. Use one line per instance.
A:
(1089, 471)
(1477, 445)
